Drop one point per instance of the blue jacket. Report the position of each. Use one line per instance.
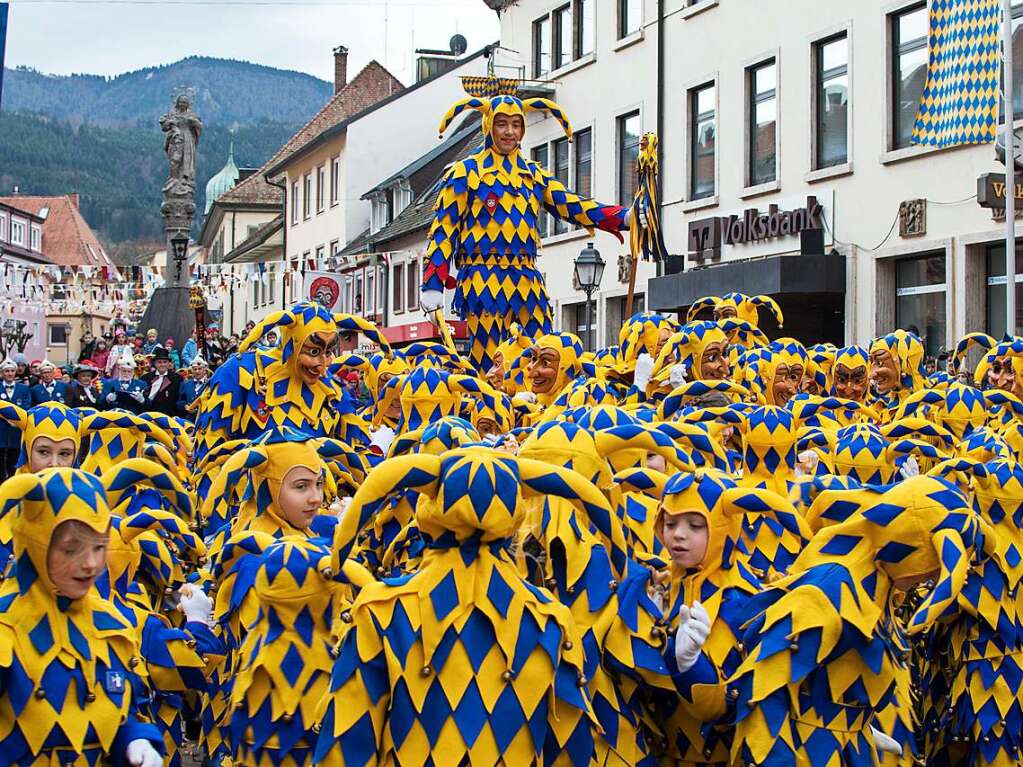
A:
(122, 395)
(188, 352)
(10, 436)
(190, 391)
(40, 395)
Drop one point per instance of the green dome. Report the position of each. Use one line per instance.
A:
(223, 182)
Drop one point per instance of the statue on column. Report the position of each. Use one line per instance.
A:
(183, 128)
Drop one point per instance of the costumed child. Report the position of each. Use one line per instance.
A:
(699, 522)
(69, 661)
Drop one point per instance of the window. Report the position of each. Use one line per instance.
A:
(582, 13)
(630, 17)
(541, 156)
(58, 335)
(3, 228)
(628, 153)
(348, 295)
(294, 202)
(920, 299)
(321, 188)
(583, 142)
(357, 298)
(381, 287)
(17, 233)
(36, 236)
(761, 82)
(371, 291)
(579, 326)
(561, 170)
(563, 36)
(831, 101)
(413, 285)
(335, 181)
(389, 200)
(702, 141)
(307, 195)
(996, 289)
(335, 247)
(399, 288)
(542, 47)
(320, 253)
(909, 31)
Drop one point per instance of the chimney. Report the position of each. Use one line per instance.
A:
(340, 68)
(74, 199)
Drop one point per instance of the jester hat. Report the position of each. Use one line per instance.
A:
(150, 504)
(852, 358)
(907, 351)
(1009, 349)
(642, 333)
(427, 394)
(760, 374)
(745, 308)
(253, 478)
(440, 436)
(570, 350)
(921, 527)
(492, 96)
(59, 422)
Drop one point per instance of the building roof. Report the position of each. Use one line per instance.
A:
(419, 214)
(224, 180)
(456, 139)
(357, 246)
(371, 86)
(267, 240)
(67, 238)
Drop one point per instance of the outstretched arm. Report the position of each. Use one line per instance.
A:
(582, 211)
(448, 212)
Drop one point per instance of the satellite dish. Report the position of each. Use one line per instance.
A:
(458, 45)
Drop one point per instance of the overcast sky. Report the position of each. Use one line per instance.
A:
(108, 38)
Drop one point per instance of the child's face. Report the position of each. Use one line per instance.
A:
(300, 497)
(685, 538)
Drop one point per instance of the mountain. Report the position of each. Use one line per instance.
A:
(227, 92)
(100, 136)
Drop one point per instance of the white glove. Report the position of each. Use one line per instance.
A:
(524, 396)
(644, 369)
(111, 398)
(137, 396)
(806, 463)
(141, 753)
(693, 630)
(382, 438)
(885, 744)
(195, 604)
(431, 300)
(910, 468)
(677, 376)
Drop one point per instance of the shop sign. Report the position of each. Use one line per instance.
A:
(707, 235)
(991, 190)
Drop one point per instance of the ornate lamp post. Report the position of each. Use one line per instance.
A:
(589, 270)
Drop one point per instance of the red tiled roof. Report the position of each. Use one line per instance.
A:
(67, 238)
(374, 83)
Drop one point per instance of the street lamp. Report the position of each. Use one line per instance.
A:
(179, 246)
(589, 269)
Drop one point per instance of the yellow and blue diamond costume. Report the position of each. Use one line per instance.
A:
(258, 390)
(70, 683)
(821, 662)
(485, 226)
(462, 660)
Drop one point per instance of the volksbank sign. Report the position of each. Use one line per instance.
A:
(707, 235)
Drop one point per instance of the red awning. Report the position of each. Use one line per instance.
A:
(422, 331)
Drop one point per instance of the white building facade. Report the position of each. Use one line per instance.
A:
(773, 118)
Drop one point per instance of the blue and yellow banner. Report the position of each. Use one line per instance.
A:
(960, 100)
